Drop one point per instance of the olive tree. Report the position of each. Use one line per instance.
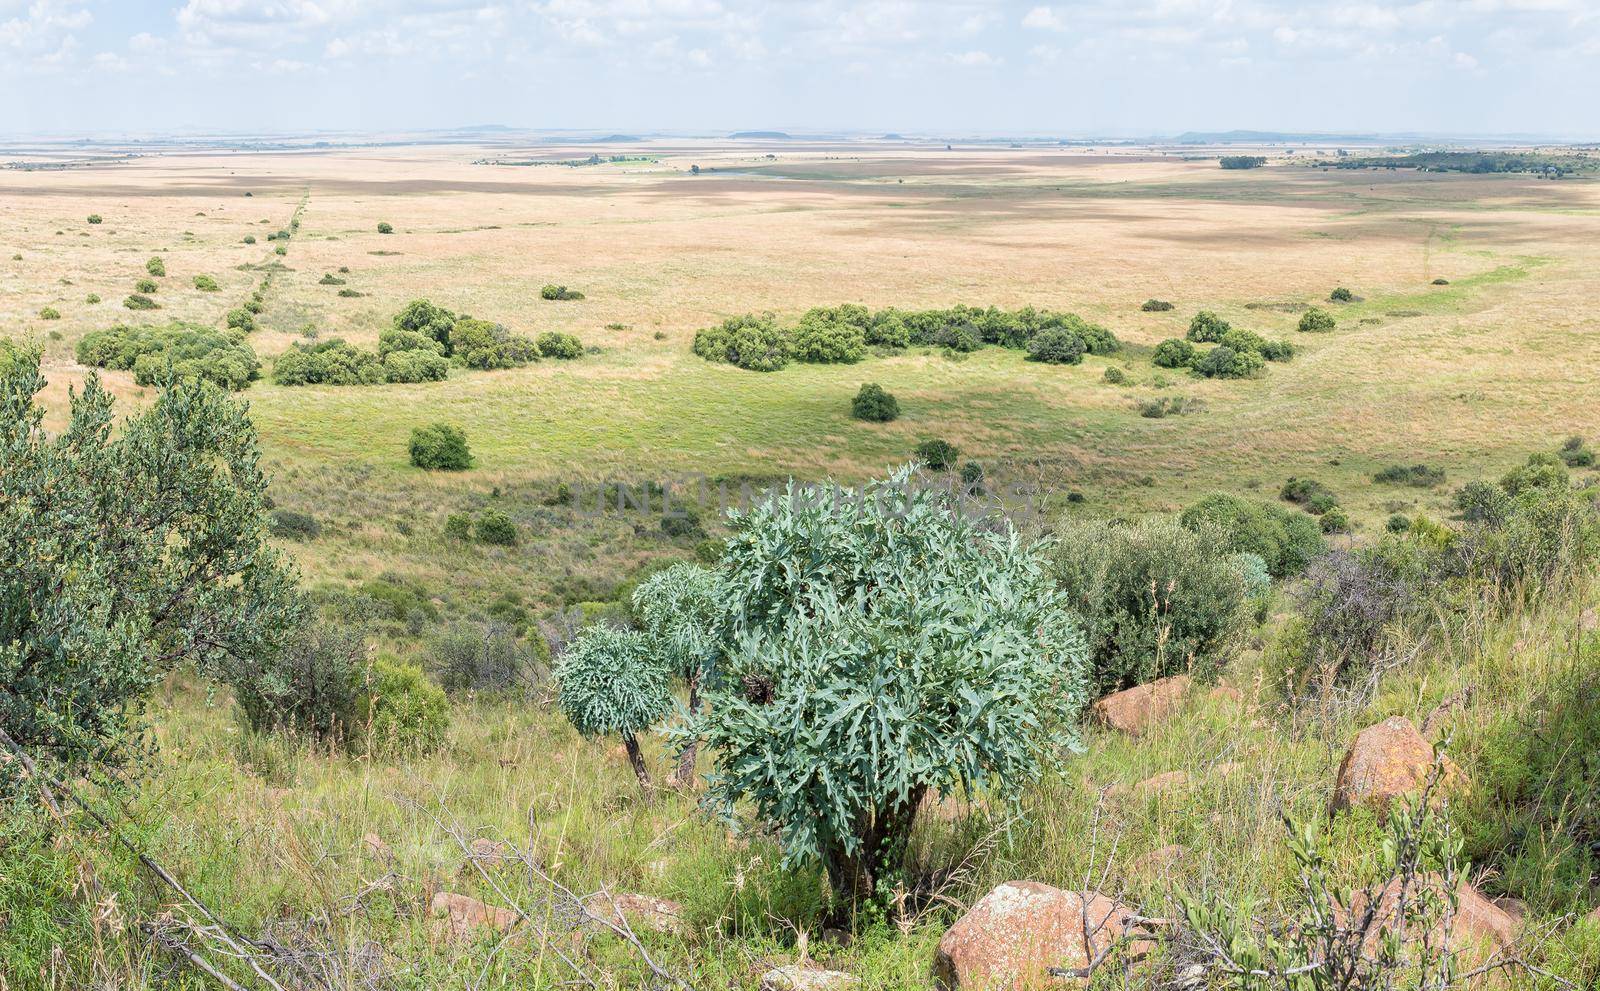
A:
(884, 647)
(125, 548)
(612, 683)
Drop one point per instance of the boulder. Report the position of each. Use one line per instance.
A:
(1016, 932)
(1163, 783)
(457, 916)
(1134, 710)
(1480, 927)
(797, 978)
(1384, 762)
(639, 911)
(1224, 692)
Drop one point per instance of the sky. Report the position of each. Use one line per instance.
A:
(943, 67)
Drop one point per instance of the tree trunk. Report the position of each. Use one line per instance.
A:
(855, 877)
(683, 777)
(631, 745)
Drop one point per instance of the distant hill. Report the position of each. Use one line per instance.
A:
(1259, 137)
(616, 138)
(758, 134)
(893, 137)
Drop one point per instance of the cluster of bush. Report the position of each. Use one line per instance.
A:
(556, 292)
(424, 342)
(1421, 476)
(1242, 161)
(178, 350)
(489, 527)
(845, 334)
(1318, 500)
(1239, 353)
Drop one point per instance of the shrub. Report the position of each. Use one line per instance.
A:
(94, 218)
(611, 682)
(415, 366)
(351, 294)
(1397, 523)
(1335, 520)
(49, 313)
(458, 526)
(1308, 493)
(139, 301)
(1155, 598)
(1160, 407)
(887, 329)
(554, 344)
(206, 283)
(287, 524)
(874, 404)
(753, 342)
(1441, 282)
(1576, 454)
(972, 477)
(485, 345)
(1316, 321)
(938, 455)
(1539, 472)
(145, 286)
(405, 712)
(133, 545)
(384, 227)
(1224, 362)
(1420, 475)
(241, 319)
(311, 686)
(92, 298)
(1173, 353)
(440, 447)
(156, 267)
(878, 655)
(280, 250)
(1115, 376)
(1156, 306)
(495, 527)
(329, 279)
(249, 239)
(1057, 346)
(180, 350)
(1241, 161)
(823, 340)
(328, 362)
(488, 657)
(1341, 295)
(1207, 328)
(682, 524)
(1287, 540)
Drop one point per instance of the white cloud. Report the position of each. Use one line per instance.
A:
(1043, 19)
(974, 59)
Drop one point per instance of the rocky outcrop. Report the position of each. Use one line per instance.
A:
(458, 916)
(797, 978)
(1479, 928)
(1017, 932)
(1135, 710)
(1384, 762)
(638, 911)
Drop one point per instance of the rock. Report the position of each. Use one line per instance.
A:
(1480, 926)
(1161, 784)
(1020, 929)
(1225, 692)
(487, 851)
(1384, 762)
(458, 915)
(1160, 862)
(372, 844)
(797, 978)
(639, 911)
(1134, 710)
(1514, 907)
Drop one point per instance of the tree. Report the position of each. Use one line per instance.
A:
(125, 549)
(440, 447)
(680, 611)
(884, 647)
(874, 404)
(432, 321)
(610, 683)
(1207, 327)
(1057, 346)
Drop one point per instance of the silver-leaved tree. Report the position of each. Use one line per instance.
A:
(611, 683)
(884, 647)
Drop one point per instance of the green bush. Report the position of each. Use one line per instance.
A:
(181, 350)
(1114, 376)
(484, 345)
(1341, 295)
(384, 227)
(1316, 321)
(405, 713)
(92, 298)
(328, 362)
(241, 319)
(1224, 362)
(249, 239)
(682, 524)
(1057, 346)
(1309, 494)
(559, 292)
(1576, 454)
(1335, 520)
(145, 286)
(1420, 475)
(133, 545)
(1540, 471)
(1397, 523)
(1155, 598)
(1173, 353)
(280, 250)
(938, 455)
(420, 365)
(753, 342)
(1161, 407)
(94, 218)
(206, 283)
(1207, 328)
(565, 347)
(495, 527)
(156, 267)
(1233, 162)
(49, 313)
(458, 526)
(312, 686)
(329, 279)
(612, 682)
(489, 658)
(1156, 306)
(879, 654)
(820, 340)
(1287, 540)
(440, 447)
(139, 301)
(874, 404)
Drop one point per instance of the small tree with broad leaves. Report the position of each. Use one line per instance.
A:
(613, 683)
(680, 612)
(884, 647)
